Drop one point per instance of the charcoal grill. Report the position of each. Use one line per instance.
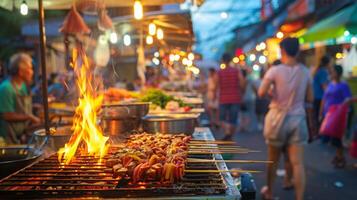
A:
(85, 177)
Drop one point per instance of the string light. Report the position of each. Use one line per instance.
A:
(252, 57)
(224, 15)
(191, 56)
(353, 40)
(346, 33)
(157, 54)
(189, 63)
(160, 34)
(256, 67)
(127, 40)
(257, 47)
(339, 55)
(265, 53)
(262, 45)
(113, 37)
(262, 59)
(222, 66)
(280, 35)
(184, 61)
(24, 9)
(156, 61)
(149, 39)
(172, 57)
(152, 29)
(236, 60)
(177, 57)
(138, 10)
(242, 57)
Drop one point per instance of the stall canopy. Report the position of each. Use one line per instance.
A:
(333, 26)
(66, 4)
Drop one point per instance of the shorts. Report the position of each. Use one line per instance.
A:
(293, 131)
(229, 113)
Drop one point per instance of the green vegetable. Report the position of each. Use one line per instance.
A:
(159, 98)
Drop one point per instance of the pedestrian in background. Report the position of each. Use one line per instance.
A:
(248, 117)
(319, 82)
(212, 101)
(230, 87)
(285, 124)
(337, 92)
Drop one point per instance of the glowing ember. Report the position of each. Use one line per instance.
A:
(85, 126)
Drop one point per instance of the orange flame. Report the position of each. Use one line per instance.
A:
(85, 126)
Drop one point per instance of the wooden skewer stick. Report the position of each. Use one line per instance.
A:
(220, 171)
(218, 148)
(193, 160)
(213, 146)
(210, 142)
(218, 152)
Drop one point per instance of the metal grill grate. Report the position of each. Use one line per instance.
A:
(86, 177)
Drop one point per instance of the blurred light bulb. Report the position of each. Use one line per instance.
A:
(172, 57)
(24, 9)
(177, 57)
(222, 66)
(138, 10)
(224, 15)
(157, 54)
(113, 37)
(257, 47)
(160, 34)
(346, 33)
(353, 40)
(156, 61)
(127, 40)
(184, 61)
(242, 57)
(280, 35)
(265, 53)
(189, 63)
(262, 59)
(149, 39)
(235, 60)
(152, 29)
(252, 57)
(262, 45)
(191, 56)
(256, 67)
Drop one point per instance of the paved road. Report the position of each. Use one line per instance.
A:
(321, 176)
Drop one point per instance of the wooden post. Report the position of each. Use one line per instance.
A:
(41, 21)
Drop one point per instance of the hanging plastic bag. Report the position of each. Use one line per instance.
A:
(335, 121)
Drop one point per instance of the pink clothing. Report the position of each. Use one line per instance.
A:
(285, 79)
(229, 90)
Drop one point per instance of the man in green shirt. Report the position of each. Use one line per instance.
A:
(15, 101)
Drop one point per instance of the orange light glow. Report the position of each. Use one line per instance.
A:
(87, 135)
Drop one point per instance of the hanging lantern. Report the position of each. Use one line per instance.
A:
(74, 23)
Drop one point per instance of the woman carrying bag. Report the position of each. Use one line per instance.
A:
(334, 113)
(285, 124)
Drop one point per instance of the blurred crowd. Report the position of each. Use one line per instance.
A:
(290, 103)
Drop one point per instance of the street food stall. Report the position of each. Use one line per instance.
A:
(120, 144)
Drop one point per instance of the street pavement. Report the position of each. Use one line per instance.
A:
(323, 182)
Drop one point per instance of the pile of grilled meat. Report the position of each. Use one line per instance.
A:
(147, 157)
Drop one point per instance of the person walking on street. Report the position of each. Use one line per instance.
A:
(319, 82)
(337, 92)
(230, 86)
(16, 103)
(285, 123)
(212, 102)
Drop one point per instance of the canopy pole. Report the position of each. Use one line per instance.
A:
(41, 21)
